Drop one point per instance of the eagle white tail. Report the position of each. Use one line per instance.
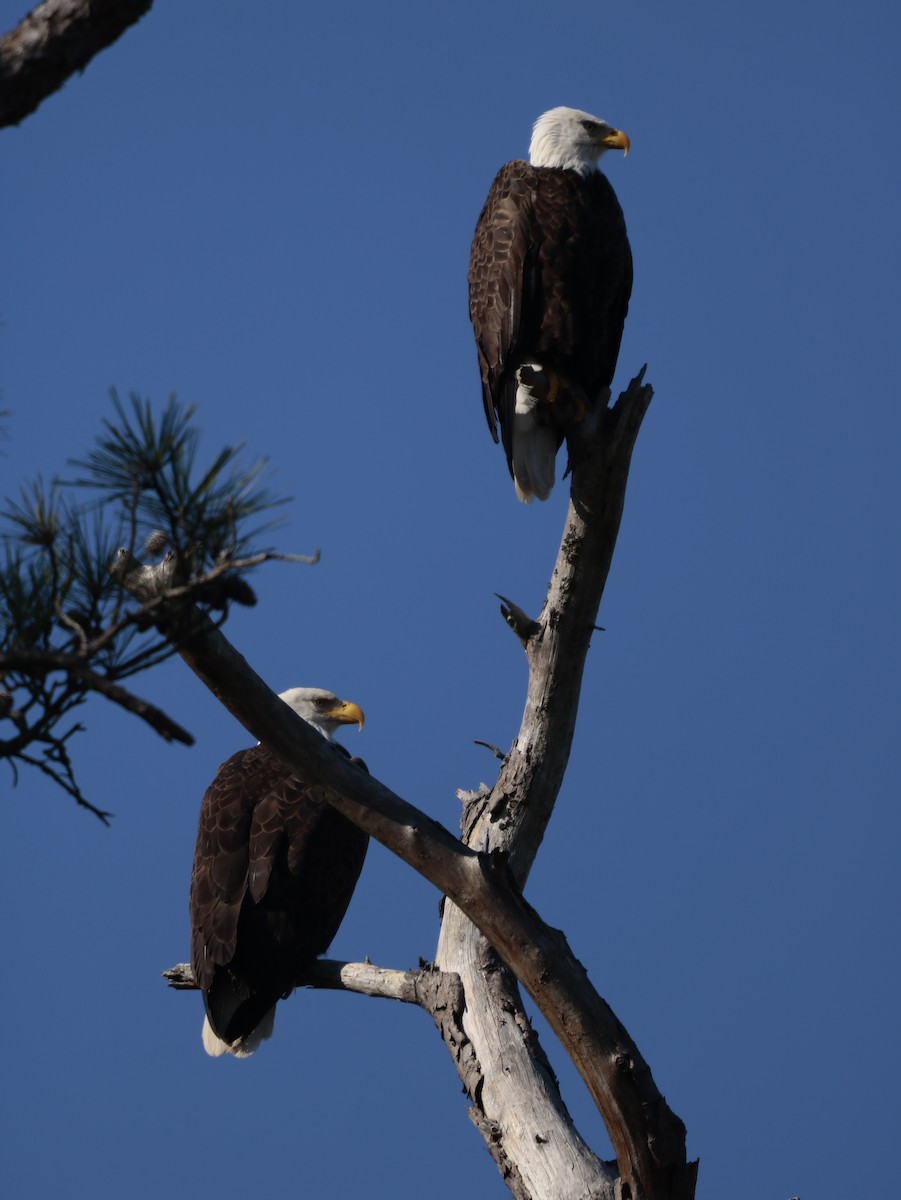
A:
(534, 437)
(244, 1047)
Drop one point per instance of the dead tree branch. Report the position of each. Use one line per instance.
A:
(438, 994)
(335, 975)
(647, 1137)
(56, 39)
(556, 653)
(511, 821)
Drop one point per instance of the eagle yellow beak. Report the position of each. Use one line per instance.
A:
(347, 713)
(617, 140)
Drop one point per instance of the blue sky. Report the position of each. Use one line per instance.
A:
(270, 216)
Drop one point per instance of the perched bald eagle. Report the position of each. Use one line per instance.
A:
(274, 870)
(550, 276)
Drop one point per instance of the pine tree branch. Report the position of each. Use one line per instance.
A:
(66, 780)
(83, 679)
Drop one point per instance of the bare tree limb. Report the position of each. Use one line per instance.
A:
(647, 1137)
(335, 975)
(495, 750)
(511, 819)
(440, 995)
(518, 1106)
(56, 39)
(556, 656)
(518, 620)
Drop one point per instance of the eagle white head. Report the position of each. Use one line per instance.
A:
(323, 710)
(573, 140)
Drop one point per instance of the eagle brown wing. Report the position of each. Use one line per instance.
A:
(550, 277)
(502, 283)
(274, 870)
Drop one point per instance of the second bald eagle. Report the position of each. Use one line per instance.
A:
(550, 277)
(274, 870)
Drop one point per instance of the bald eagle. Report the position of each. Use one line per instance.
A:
(550, 275)
(274, 870)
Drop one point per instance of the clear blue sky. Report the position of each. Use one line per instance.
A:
(268, 211)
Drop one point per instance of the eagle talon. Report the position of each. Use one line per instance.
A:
(555, 386)
(571, 405)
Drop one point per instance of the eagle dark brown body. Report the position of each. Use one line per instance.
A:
(274, 870)
(549, 282)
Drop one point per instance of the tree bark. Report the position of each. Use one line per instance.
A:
(552, 1158)
(56, 39)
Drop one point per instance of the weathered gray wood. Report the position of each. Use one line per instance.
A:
(56, 39)
(518, 1098)
(515, 1100)
(329, 973)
